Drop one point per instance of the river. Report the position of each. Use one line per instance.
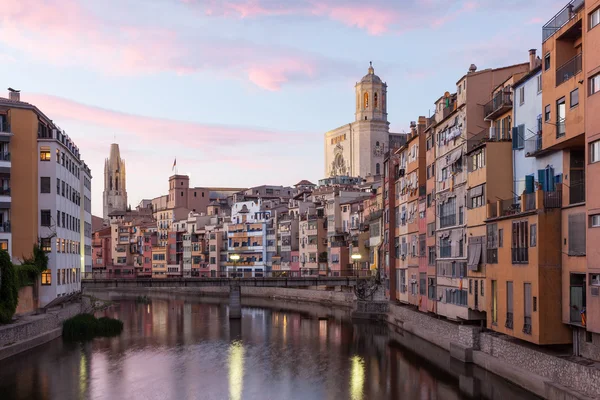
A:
(187, 348)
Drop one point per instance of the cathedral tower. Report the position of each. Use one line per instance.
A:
(115, 188)
(371, 98)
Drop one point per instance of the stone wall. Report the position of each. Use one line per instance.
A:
(585, 379)
(33, 330)
(28, 300)
(434, 330)
(344, 298)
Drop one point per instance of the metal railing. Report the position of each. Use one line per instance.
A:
(5, 226)
(527, 325)
(499, 134)
(501, 99)
(4, 156)
(449, 110)
(510, 207)
(529, 201)
(4, 191)
(5, 127)
(509, 320)
(448, 220)
(553, 199)
(561, 19)
(492, 256)
(577, 192)
(568, 70)
(533, 145)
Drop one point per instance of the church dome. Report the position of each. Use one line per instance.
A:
(370, 77)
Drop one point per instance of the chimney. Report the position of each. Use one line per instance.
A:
(472, 68)
(14, 95)
(532, 59)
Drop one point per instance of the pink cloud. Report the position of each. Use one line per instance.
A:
(66, 33)
(163, 130)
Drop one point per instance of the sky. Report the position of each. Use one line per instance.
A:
(240, 92)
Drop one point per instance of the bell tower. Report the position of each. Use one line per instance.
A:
(371, 98)
(115, 186)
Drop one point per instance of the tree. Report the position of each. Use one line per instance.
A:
(9, 290)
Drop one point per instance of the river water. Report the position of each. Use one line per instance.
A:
(186, 348)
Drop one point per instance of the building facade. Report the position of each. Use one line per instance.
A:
(115, 183)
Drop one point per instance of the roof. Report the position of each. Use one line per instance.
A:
(370, 77)
(22, 104)
(528, 76)
(489, 69)
(304, 182)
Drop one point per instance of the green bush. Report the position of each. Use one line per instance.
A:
(87, 327)
(26, 274)
(9, 289)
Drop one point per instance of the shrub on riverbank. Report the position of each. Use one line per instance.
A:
(87, 327)
(9, 288)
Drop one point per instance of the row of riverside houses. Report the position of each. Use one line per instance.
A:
(492, 207)
(45, 199)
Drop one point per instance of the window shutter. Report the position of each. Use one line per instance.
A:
(550, 179)
(542, 179)
(521, 141)
(529, 187)
(515, 138)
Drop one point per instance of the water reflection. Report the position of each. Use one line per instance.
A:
(236, 370)
(180, 348)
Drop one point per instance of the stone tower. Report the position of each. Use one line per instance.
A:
(371, 98)
(115, 187)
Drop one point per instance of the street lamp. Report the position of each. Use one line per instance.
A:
(234, 258)
(356, 259)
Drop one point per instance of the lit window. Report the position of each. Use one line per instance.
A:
(44, 153)
(46, 245)
(595, 151)
(46, 277)
(4, 245)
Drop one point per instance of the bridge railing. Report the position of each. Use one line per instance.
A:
(362, 273)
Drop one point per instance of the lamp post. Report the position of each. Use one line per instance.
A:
(234, 258)
(356, 258)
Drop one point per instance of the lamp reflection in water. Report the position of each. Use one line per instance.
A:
(236, 370)
(357, 378)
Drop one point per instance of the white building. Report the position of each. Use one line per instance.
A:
(65, 223)
(529, 164)
(358, 148)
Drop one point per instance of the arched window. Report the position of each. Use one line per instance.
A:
(377, 144)
(366, 101)
(377, 169)
(375, 100)
(117, 183)
(110, 183)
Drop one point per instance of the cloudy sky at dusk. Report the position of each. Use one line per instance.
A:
(241, 91)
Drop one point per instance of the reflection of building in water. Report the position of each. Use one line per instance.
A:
(236, 370)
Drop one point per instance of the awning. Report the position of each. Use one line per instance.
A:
(454, 157)
(476, 191)
(474, 256)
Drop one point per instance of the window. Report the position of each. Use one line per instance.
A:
(595, 221)
(431, 288)
(422, 283)
(577, 232)
(44, 153)
(547, 113)
(445, 248)
(45, 218)
(574, 98)
(477, 161)
(44, 184)
(46, 277)
(447, 213)
(46, 245)
(377, 169)
(547, 62)
(595, 84)
(539, 83)
(461, 247)
(492, 244)
(500, 237)
(521, 95)
(509, 305)
(595, 18)
(476, 197)
(533, 235)
(527, 301)
(519, 250)
(595, 151)
(494, 302)
(431, 255)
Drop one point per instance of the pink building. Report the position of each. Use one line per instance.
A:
(150, 239)
(422, 255)
(295, 263)
(101, 254)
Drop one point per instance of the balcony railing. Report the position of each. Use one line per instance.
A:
(520, 255)
(509, 207)
(499, 135)
(449, 110)
(561, 19)
(509, 320)
(5, 226)
(4, 191)
(553, 199)
(492, 256)
(577, 192)
(533, 145)
(5, 127)
(501, 102)
(568, 70)
(4, 156)
(448, 220)
(527, 325)
(529, 201)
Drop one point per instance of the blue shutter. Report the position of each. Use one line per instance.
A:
(550, 178)
(529, 181)
(542, 179)
(558, 179)
(521, 141)
(515, 138)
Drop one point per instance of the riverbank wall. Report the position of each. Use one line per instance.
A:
(30, 331)
(546, 375)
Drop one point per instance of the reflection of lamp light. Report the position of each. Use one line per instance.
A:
(236, 370)
(357, 378)
(356, 259)
(234, 258)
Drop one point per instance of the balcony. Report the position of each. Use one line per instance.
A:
(5, 156)
(5, 127)
(4, 191)
(5, 226)
(500, 104)
(577, 192)
(561, 19)
(509, 207)
(553, 199)
(449, 109)
(520, 255)
(499, 135)
(533, 145)
(448, 220)
(568, 70)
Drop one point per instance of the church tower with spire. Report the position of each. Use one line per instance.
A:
(115, 187)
